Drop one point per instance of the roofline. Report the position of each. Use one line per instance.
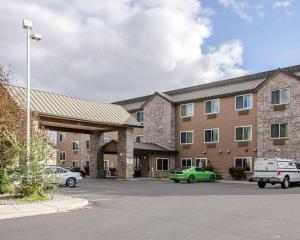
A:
(250, 77)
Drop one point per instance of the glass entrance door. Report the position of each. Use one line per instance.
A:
(137, 166)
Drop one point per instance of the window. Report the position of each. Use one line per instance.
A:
(105, 140)
(243, 133)
(212, 106)
(187, 110)
(186, 162)
(211, 135)
(75, 163)
(201, 162)
(87, 163)
(243, 102)
(281, 96)
(62, 156)
(75, 145)
(243, 162)
(162, 164)
(139, 138)
(62, 137)
(140, 117)
(186, 137)
(87, 144)
(279, 130)
(106, 164)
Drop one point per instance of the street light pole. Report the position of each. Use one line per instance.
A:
(28, 98)
(28, 26)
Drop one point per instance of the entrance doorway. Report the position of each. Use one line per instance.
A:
(137, 166)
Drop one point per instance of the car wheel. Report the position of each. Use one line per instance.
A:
(191, 179)
(212, 178)
(176, 181)
(71, 182)
(286, 183)
(261, 184)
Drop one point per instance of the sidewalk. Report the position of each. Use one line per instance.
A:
(57, 205)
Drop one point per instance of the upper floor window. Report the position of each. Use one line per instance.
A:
(186, 162)
(187, 110)
(140, 116)
(243, 133)
(139, 138)
(105, 140)
(62, 137)
(186, 137)
(212, 106)
(62, 156)
(87, 144)
(279, 130)
(243, 102)
(211, 135)
(281, 96)
(75, 145)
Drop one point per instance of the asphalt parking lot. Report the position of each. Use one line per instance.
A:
(165, 210)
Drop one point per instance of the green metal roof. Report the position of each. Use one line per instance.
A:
(61, 106)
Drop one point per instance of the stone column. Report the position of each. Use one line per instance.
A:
(96, 155)
(125, 153)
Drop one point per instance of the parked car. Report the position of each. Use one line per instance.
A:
(64, 176)
(192, 174)
(277, 170)
(76, 169)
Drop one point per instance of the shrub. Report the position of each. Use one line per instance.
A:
(29, 177)
(237, 173)
(6, 186)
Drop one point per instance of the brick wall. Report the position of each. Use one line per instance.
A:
(267, 116)
(222, 156)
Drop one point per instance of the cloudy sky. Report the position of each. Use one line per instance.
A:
(116, 49)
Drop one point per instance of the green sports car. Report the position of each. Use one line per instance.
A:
(192, 174)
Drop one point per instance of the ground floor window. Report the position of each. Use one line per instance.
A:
(186, 162)
(201, 162)
(243, 162)
(87, 163)
(75, 163)
(62, 156)
(106, 164)
(162, 164)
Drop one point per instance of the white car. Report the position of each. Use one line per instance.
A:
(66, 177)
(277, 170)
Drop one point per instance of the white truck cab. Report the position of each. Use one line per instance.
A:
(276, 170)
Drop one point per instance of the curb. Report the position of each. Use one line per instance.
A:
(235, 182)
(48, 207)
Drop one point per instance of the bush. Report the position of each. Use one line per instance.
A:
(237, 173)
(6, 185)
(29, 177)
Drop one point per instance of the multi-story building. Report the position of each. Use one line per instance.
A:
(222, 124)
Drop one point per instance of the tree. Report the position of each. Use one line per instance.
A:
(12, 117)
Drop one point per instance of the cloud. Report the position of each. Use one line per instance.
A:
(281, 4)
(239, 7)
(111, 50)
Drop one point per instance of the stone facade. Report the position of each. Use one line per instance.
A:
(96, 155)
(267, 115)
(125, 153)
(159, 122)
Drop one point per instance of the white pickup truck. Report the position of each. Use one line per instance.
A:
(277, 170)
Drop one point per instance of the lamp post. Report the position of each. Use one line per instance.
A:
(27, 24)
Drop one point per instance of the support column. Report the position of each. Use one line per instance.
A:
(125, 153)
(96, 155)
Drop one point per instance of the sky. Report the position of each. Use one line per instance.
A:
(110, 50)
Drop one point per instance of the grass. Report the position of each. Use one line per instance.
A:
(34, 197)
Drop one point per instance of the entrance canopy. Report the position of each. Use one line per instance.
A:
(63, 113)
(138, 148)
